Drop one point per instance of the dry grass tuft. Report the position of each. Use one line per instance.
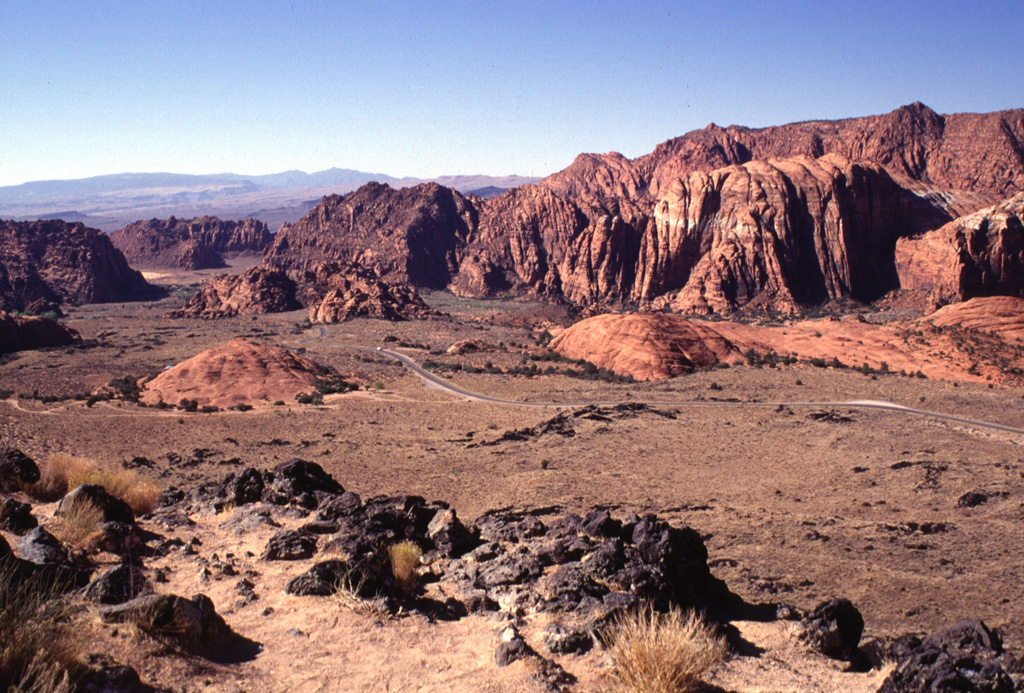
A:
(79, 526)
(405, 562)
(664, 653)
(36, 650)
(348, 591)
(60, 473)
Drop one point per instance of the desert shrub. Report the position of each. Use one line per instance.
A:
(208, 409)
(405, 562)
(379, 385)
(77, 526)
(663, 653)
(242, 406)
(309, 398)
(127, 387)
(714, 386)
(36, 651)
(60, 473)
(188, 404)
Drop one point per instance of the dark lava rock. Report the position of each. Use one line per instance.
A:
(193, 623)
(962, 658)
(16, 517)
(301, 482)
(117, 585)
(239, 489)
(345, 505)
(568, 586)
(118, 538)
(107, 676)
(16, 469)
(290, 545)
(113, 509)
(512, 648)
(834, 628)
(561, 640)
(249, 517)
(450, 536)
(365, 580)
(972, 499)
(43, 555)
(600, 524)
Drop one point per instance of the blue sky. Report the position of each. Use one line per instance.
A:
(426, 89)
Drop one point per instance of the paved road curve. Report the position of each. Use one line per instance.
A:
(435, 381)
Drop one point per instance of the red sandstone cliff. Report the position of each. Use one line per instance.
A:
(199, 243)
(715, 220)
(57, 262)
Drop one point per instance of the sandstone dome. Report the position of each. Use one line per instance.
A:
(647, 346)
(235, 373)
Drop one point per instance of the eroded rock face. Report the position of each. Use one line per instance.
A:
(712, 221)
(353, 291)
(57, 262)
(965, 151)
(199, 243)
(408, 236)
(980, 254)
(238, 372)
(22, 333)
(784, 233)
(647, 346)
(256, 291)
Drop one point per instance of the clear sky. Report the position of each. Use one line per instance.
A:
(431, 88)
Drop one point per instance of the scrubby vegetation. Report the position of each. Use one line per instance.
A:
(36, 654)
(405, 562)
(60, 473)
(664, 653)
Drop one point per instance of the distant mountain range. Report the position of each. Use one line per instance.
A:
(113, 201)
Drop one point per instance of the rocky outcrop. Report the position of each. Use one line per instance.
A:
(22, 333)
(57, 262)
(408, 236)
(781, 233)
(646, 346)
(200, 243)
(256, 291)
(351, 291)
(980, 254)
(967, 657)
(998, 315)
(713, 221)
(652, 346)
(239, 372)
(981, 152)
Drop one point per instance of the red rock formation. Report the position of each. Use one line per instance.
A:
(714, 220)
(652, 346)
(408, 236)
(780, 233)
(199, 243)
(980, 254)
(983, 152)
(336, 293)
(58, 262)
(30, 332)
(239, 372)
(998, 315)
(647, 346)
(256, 291)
